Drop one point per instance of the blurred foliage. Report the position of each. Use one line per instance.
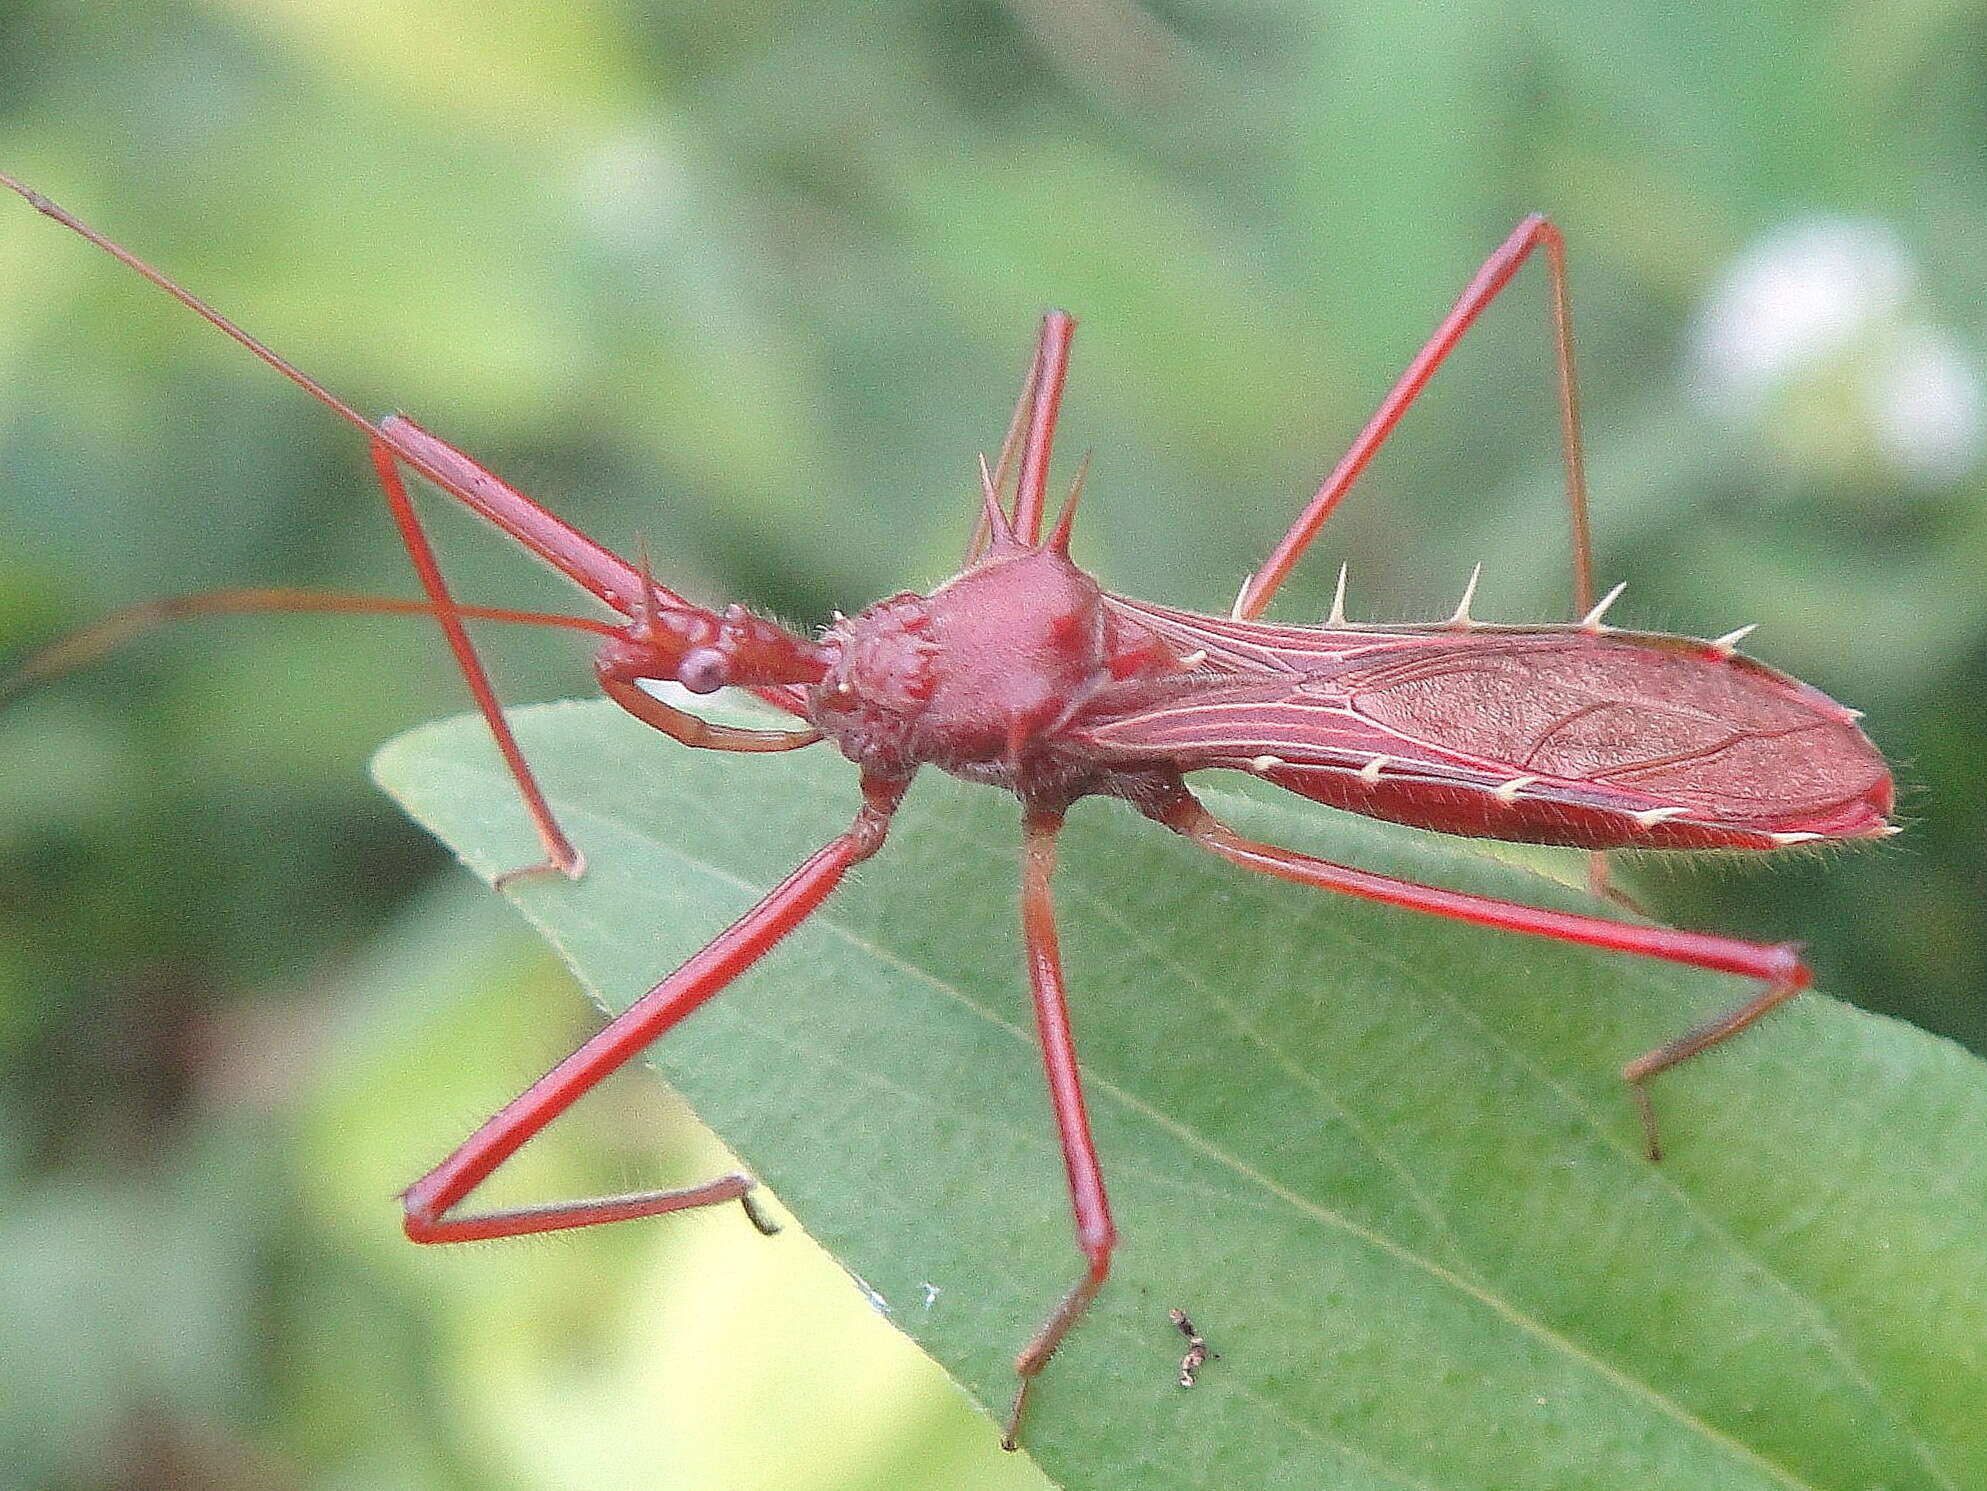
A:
(751, 282)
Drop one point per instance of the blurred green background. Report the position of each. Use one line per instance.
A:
(752, 282)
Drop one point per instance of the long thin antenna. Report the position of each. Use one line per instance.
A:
(590, 565)
(193, 303)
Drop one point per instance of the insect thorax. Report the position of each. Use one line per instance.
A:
(974, 678)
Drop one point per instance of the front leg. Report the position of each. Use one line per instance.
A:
(689, 729)
(559, 851)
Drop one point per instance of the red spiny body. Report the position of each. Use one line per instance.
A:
(1023, 673)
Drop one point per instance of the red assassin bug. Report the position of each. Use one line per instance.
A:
(1023, 673)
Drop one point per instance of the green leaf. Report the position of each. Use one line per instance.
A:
(1384, 1162)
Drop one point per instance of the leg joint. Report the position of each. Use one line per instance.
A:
(1098, 1243)
(420, 1220)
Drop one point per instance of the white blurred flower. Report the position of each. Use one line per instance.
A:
(1796, 298)
(1929, 406)
(632, 189)
(1819, 320)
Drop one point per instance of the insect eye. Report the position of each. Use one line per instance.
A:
(703, 670)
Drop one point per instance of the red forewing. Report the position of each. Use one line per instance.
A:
(1550, 734)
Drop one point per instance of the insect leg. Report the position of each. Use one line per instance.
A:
(630, 590)
(1052, 362)
(1600, 871)
(431, 1199)
(1778, 967)
(997, 480)
(683, 726)
(559, 851)
(1096, 1235)
(1495, 274)
(1702, 1037)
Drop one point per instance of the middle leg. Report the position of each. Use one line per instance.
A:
(996, 481)
(431, 1203)
(1096, 1234)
